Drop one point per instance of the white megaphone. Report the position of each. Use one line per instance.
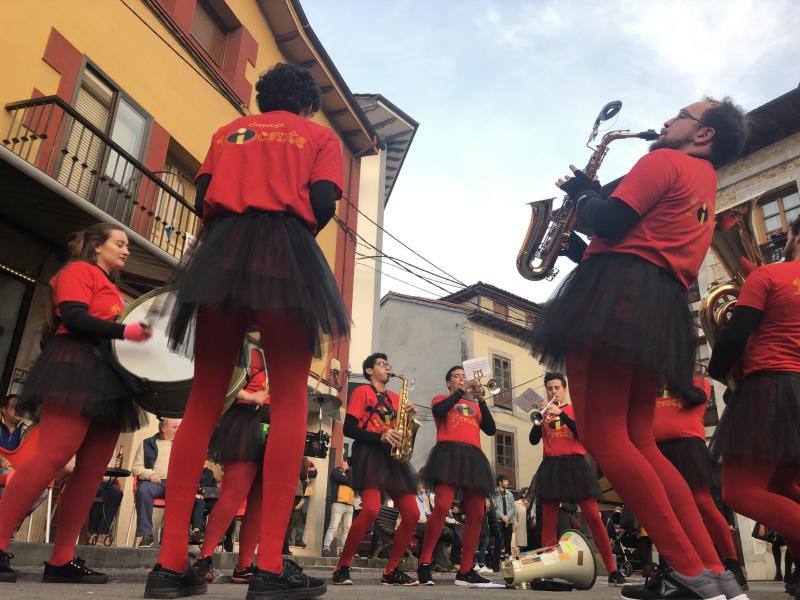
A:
(571, 559)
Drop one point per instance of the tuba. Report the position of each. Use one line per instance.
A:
(735, 246)
(549, 231)
(405, 424)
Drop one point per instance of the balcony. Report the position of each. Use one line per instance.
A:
(98, 178)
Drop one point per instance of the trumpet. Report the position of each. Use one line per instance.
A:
(538, 416)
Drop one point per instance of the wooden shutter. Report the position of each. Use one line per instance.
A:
(504, 456)
(208, 32)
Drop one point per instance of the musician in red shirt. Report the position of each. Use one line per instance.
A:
(620, 323)
(681, 438)
(564, 475)
(457, 462)
(238, 445)
(81, 397)
(372, 422)
(758, 438)
(268, 184)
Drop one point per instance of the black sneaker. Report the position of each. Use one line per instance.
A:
(793, 584)
(165, 583)
(7, 574)
(669, 584)
(146, 541)
(75, 571)
(243, 575)
(291, 583)
(732, 565)
(730, 587)
(397, 577)
(341, 576)
(205, 568)
(617, 578)
(196, 537)
(471, 579)
(424, 574)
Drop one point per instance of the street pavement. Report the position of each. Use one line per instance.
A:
(129, 583)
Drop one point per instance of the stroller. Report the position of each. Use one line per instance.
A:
(629, 543)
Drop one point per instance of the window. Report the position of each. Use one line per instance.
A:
(209, 32)
(501, 369)
(504, 456)
(16, 290)
(779, 210)
(500, 309)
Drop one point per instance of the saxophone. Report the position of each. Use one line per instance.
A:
(549, 231)
(405, 424)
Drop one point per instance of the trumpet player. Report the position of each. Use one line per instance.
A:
(621, 323)
(371, 421)
(564, 475)
(457, 462)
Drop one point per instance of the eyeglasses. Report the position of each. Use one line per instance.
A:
(383, 365)
(685, 115)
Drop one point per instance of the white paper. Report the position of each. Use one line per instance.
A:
(478, 367)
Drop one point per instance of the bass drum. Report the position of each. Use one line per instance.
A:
(167, 375)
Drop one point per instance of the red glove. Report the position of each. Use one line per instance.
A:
(137, 332)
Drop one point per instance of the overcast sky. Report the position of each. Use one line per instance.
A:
(506, 92)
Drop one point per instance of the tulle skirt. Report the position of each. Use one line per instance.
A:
(692, 458)
(626, 308)
(80, 373)
(762, 420)
(259, 262)
(239, 435)
(462, 466)
(371, 466)
(566, 478)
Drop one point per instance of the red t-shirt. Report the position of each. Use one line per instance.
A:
(775, 345)
(257, 374)
(462, 423)
(372, 415)
(674, 195)
(268, 162)
(557, 438)
(675, 419)
(84, 282)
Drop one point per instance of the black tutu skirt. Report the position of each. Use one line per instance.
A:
(260, 262)
(238, 436)
(80, 373)
(371, 466)
(692, 458)
(626, 308)
(460, 465)
(566, 478)
(762, 420)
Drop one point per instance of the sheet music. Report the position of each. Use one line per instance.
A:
(478, 367)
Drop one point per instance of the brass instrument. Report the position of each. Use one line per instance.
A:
(733, 241)
(405, 424)
(549, 231)
(538, 416)
(493, 386)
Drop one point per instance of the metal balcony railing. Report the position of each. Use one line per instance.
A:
(59, 141)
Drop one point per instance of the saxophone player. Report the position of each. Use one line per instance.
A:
(371, 421)
(621, 324)
(457, 462)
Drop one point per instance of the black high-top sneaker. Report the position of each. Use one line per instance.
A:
(7, 574)
(289, 584)
(75, 571)
(471, 579)
(397, 577)
(243, 575)
(166, 583)
(616, 578)
(424, 574)
(341, 576)
(205, 568)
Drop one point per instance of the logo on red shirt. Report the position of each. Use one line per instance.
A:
(242, 136)
(464, 409)
(702, 213)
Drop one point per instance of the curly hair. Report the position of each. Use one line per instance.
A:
(731, 128)
(287, 87)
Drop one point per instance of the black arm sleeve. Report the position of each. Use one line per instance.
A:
(352, 430)
(575, 248)
(487, 420)
(606, 217)
(201, 187)
(732, 341)
(535, 436)
(569, 422)
(324, 195)
(440, 409)
(76, 318)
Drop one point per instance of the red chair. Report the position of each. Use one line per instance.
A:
(157, 503)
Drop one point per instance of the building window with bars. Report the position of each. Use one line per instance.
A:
(504, 456)
(779, 210)
(501, 370)
(210, 32)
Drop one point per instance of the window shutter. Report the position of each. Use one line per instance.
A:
(208, 33)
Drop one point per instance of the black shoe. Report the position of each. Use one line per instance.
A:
(227, 545)
(669, 584)
(165, 583)
(196, 537)
(734, 567)
(291, 583)
(7, 574)
(793, 585)
(617, 578)
(243, 575)
(300, 544)
(397, 577)
(471, 579)
(205, 568)
(341, 576)
(75, 571)
(778, 577)
(146, 541)
(424, 574)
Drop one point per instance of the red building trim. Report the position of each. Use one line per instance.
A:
(66, 60)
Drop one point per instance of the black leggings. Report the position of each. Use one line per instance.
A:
(788, 559)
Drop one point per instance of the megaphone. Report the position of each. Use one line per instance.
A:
(571, 559)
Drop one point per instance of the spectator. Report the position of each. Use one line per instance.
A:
(104, 511)
(12, 426)
(503, 501)
(483, 543)
(342, 500)
(495, 537)
(520, 521)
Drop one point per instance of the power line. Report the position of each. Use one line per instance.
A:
(361, 256)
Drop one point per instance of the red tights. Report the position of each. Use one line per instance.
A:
(765, 492)
(474, 506)
(715, 523)
(370, 505)
(614, 406)
(591, 512)
(242, 481)
(64, 434)
(288, 357)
